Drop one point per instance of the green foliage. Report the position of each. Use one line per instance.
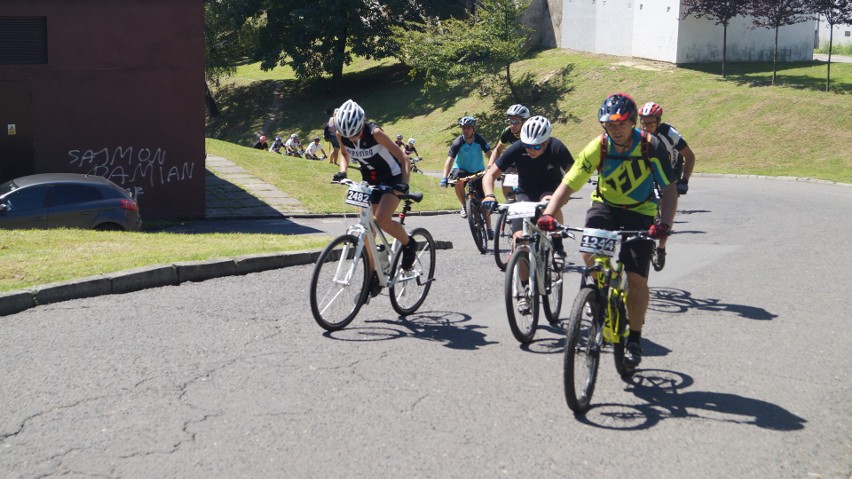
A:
(229, 35)
(454, 52)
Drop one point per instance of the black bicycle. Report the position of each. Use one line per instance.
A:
(473, 207)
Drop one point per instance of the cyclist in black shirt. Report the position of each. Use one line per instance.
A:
(516, 116)
(541, 162)
(381, 163)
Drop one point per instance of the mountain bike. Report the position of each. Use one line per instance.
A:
(598, 316)
(414, 160)
(503, 244)
(340, 283)
(473, 206)
(532, 272)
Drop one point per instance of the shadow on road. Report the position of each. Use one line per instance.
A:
(662, 391)
(444, 327)
(673, 300)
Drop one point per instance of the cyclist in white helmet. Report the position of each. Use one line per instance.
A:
(541, 161)
(516, 116)
(410, 149)
(381, 163)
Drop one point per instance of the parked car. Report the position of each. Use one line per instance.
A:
(71, 200)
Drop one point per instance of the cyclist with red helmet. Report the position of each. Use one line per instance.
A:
(629, 162)
(680, 154)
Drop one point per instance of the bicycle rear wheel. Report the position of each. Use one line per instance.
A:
(339, 283)
(521, 300)
(583, 340)
(408, 289)
(477, 224)
(552, 297)
(502, 241)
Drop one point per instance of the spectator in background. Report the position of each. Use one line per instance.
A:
(330, 134)
(293, 146)
(261, 143)
(277, 145)
(313, 148)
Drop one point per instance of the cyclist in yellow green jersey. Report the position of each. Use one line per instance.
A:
(629, 162)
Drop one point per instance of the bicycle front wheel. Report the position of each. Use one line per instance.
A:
(521, 300)
(339, 283)
(621, 340)
(477, 224)
(503, 241)
(583, 341)
(552, 297)
(408, 289)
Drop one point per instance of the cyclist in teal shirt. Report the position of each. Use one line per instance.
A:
(466, 156)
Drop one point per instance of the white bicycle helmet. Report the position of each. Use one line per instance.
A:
(294, 136)
(518, 110)
(412, 141)
(349, 119)
(536, 130)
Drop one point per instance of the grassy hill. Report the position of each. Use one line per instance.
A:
(736, 125)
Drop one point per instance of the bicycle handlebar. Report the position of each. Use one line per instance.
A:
(466, 178)
(416, 197)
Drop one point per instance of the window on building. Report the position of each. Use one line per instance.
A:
(23, 40)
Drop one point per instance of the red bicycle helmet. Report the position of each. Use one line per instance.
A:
(651, 109)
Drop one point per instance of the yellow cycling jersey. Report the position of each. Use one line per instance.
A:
(625, 180)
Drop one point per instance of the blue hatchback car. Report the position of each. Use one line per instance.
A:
(67, 200)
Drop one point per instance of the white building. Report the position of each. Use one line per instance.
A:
(652, 29)
(842, 34)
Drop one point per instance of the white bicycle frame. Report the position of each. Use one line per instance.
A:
(536, 272)
(366, 231)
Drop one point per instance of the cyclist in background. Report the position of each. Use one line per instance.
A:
(517, 115)
(628, 162)
(409, 148)
(399, 142)
(381, 163)
(541, 162)
(466, 157)
(680, 154)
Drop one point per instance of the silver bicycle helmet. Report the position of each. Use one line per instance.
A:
(518, 110)
(412, 141)
(536, 130)
(349, 119)
(467, 121)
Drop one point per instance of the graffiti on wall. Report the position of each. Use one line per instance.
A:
(128, 165)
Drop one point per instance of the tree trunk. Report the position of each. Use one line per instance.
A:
(339, 57)
(511, 85)
(828, 66)
(775, 57)
(724, 46)
(210, 101)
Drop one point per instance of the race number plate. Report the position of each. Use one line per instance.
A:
(597, 241)
(358, 195)
(510, 180)
(521, 209)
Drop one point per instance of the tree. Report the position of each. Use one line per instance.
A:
(321, 36)
(463, 51)
(722, 11)
(228, 37)
(836, 12)
(775, 14)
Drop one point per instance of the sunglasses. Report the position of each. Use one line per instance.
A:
(649, 122)
(533, 147)
(514, 122)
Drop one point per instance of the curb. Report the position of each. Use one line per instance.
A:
(173, 274)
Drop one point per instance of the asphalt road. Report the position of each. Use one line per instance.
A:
(746, 372)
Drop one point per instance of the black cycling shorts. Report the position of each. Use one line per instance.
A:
(636, 255)
(457, 173)
(376, 196)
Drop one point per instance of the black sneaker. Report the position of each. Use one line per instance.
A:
(632, 355)
(659, 259)
(375, 287)
(409, 254)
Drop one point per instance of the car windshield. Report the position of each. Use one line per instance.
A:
(7, 187)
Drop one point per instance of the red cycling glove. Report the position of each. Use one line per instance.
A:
(546, 223)
(659, 231)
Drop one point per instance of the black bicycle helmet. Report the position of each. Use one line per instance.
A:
(617, 107)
